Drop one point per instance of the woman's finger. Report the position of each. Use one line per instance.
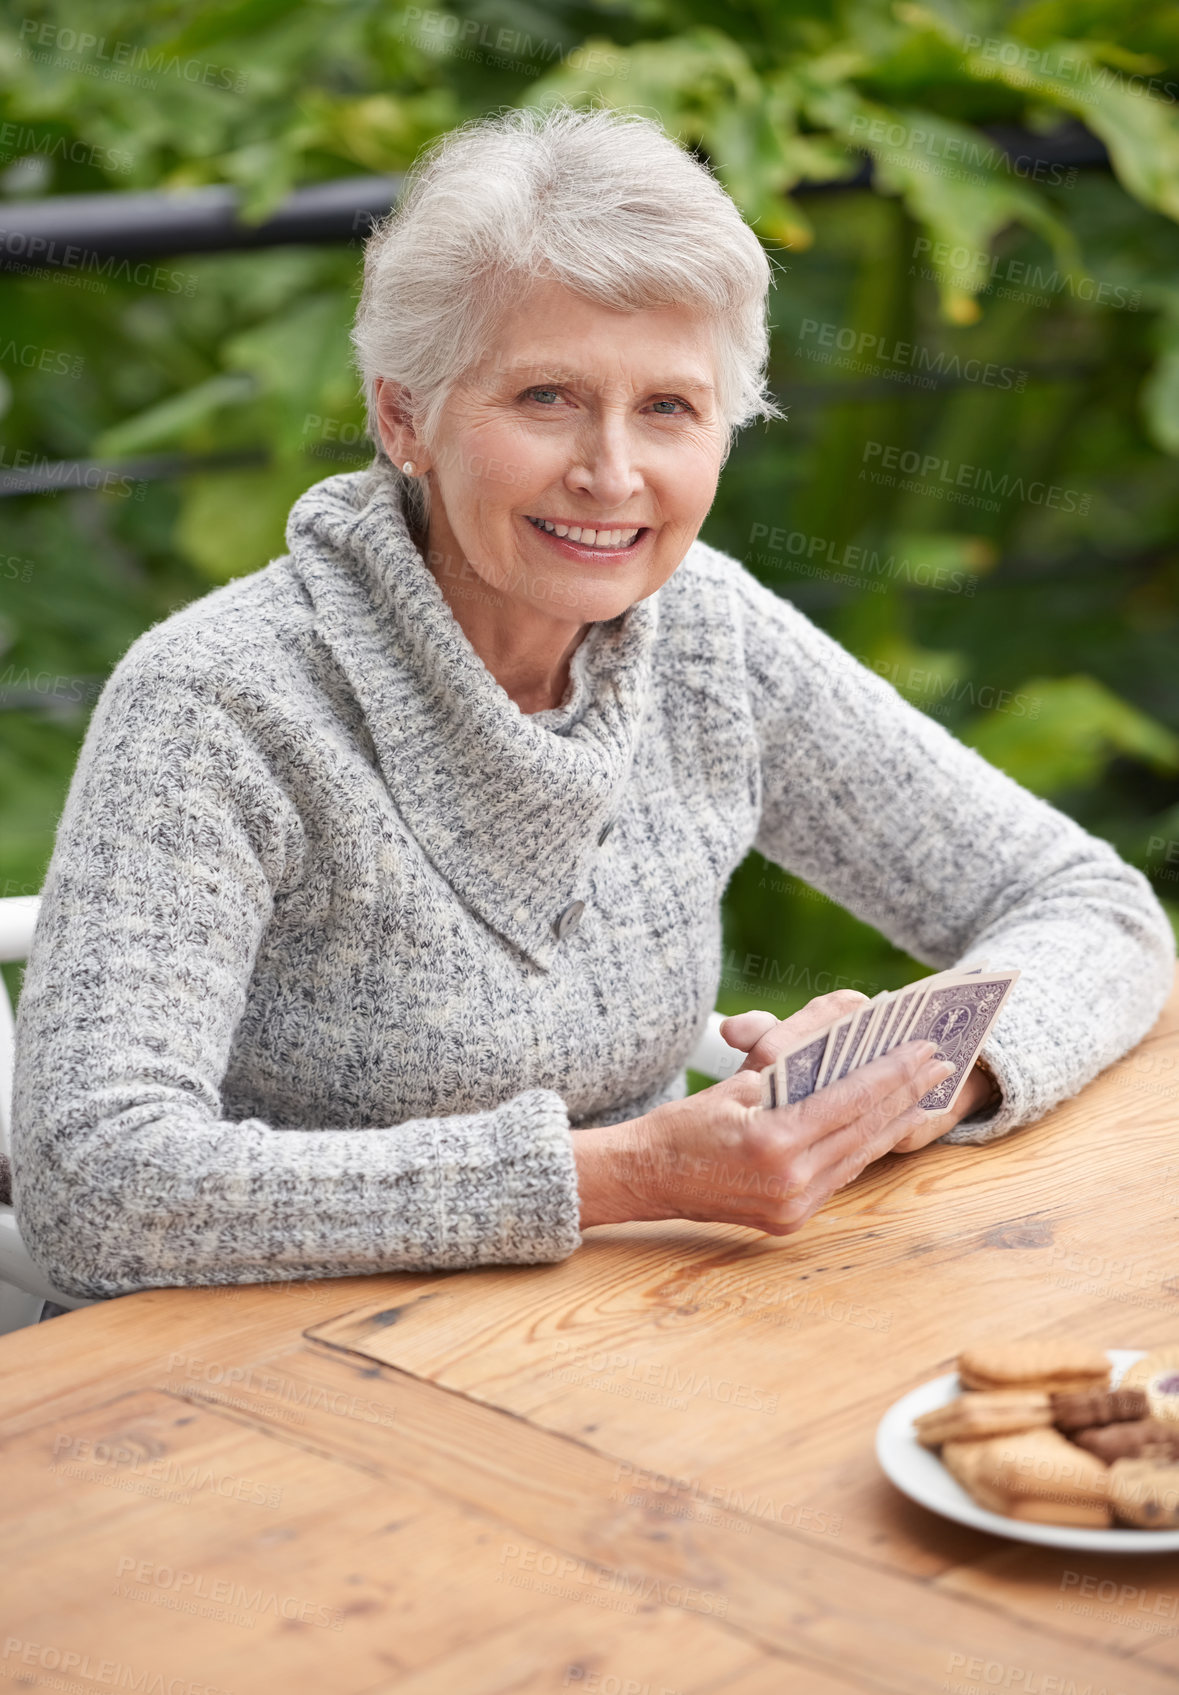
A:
(933, 1125)
(911, 1120)
(801, 1204)
(768, 1040)
(743, 1029)
(875, 1128)
(839, 1106)
(719, 1155)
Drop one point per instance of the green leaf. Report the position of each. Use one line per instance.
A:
(266, 172)
(1160, 400)
(171, 421)
(936, 558)
(303, 358)
(1140, 129)
(234, 522)
(956, 182)
(924, 676)
(378, 131)
(1160, 391)
(1068, 731)
(215, 25)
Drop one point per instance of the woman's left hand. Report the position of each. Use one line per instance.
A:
(762, 1037)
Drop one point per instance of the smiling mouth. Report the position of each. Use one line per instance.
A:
(606, 541)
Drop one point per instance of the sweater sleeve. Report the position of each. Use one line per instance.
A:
(873, 802)
(174, 837)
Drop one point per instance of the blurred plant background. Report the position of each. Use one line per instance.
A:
(975, 489)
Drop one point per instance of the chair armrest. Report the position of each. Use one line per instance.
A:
(18, 1267)
(18, 920)
(712, 1055)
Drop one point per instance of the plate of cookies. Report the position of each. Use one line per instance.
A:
(1051, 1442)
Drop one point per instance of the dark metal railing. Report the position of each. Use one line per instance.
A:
(207, 220)
(201, 220)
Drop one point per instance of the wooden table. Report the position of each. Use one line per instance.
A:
(648, 1469)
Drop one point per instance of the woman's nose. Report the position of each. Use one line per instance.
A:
(606, 468)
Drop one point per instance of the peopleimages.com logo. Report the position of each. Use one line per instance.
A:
(121, 61)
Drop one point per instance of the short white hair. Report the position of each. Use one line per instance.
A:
(604, 202)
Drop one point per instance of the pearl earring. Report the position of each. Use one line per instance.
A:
(408, 468)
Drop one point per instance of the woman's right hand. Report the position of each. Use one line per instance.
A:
(719, 1157)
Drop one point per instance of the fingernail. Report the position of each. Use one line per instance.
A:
(943, 1068)
(928, 1049)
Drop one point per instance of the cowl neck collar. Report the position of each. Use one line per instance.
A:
(508, 806)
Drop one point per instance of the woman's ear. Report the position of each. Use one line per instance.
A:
(395, 423)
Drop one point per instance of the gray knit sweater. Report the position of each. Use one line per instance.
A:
(297, 1005)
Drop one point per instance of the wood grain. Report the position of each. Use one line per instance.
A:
(159, 1537)
(844, 1616)
(680, 1415)
(571, 1654)
(1128, 1605)
(760, 1367)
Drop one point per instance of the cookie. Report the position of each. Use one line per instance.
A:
(1085, 1515)
(1045, 1465)
(1145, 1493)
(1043, 1366)
(977, 1416)
(1084, 1409)
(1035, 1475)
(1158, 1375)
(1140, 1439)
(963, 1460)
(966, 1462)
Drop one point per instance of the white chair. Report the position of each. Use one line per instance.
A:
(24, 1288)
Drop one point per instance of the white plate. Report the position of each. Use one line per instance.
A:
(920, 1474)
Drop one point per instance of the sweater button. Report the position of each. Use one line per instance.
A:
(569, 919)
(605, 831)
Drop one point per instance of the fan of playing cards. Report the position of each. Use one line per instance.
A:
(955, 1009)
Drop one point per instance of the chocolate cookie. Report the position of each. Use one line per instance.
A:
(1084, 1409)
(1141, 1439)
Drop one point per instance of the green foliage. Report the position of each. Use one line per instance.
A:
(1077, 728)
(976, 486)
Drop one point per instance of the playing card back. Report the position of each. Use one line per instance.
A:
(958, 1016)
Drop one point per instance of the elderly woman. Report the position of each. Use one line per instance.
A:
(384, 908)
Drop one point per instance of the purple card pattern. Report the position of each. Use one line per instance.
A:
(835, 1045)
(941, 1008)
(903, 1022)
(957, 1016)
(801, 1069)
(902, 1027)
(909, 1005)
(874, 1040)
(855, 1036)
(896, 1011)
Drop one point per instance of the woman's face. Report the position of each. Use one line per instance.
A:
(582, 419)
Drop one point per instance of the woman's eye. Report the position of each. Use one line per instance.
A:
(669, 403)
(545, 395)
